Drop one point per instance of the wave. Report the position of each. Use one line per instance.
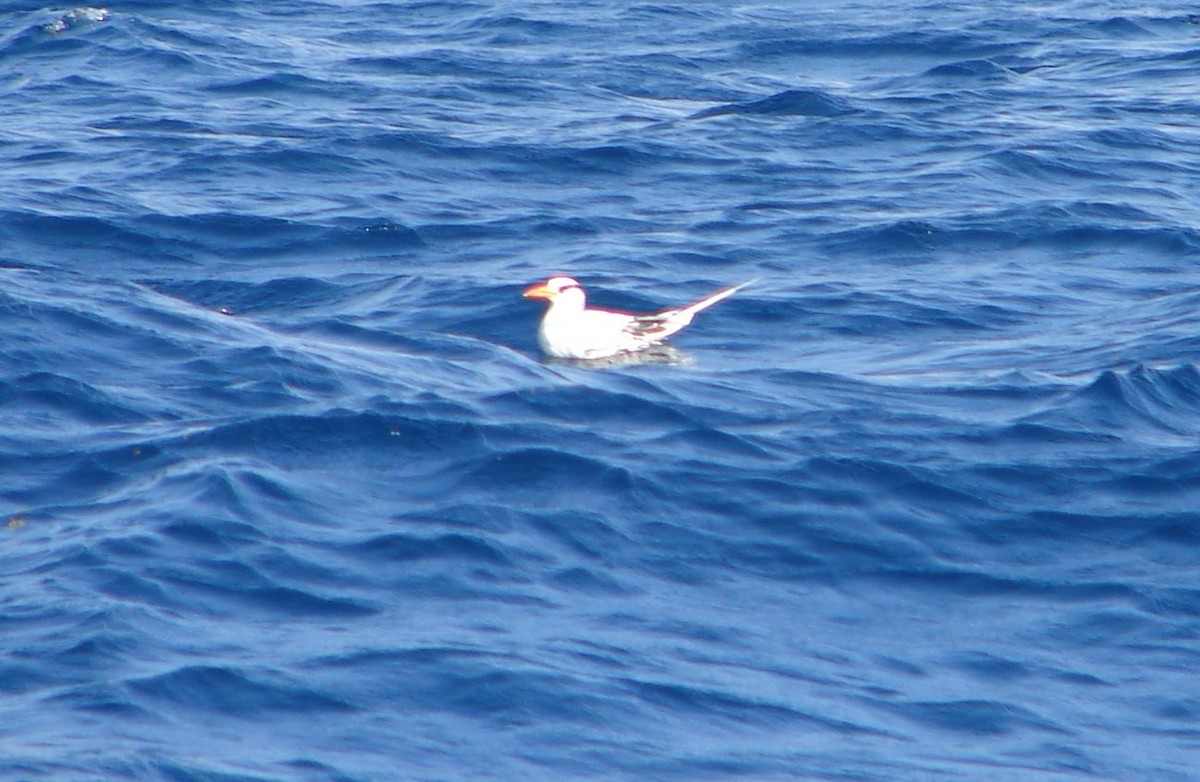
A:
(224, 690)
(49, 28)
(798, 102)
(903, 44)
(1140, 402)
(975, 70)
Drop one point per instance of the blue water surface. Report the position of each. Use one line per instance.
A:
(288, 493)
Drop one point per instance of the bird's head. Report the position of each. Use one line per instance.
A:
(557, 289)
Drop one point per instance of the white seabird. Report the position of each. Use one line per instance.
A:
(571, 329)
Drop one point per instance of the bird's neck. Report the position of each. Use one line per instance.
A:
(569, 303)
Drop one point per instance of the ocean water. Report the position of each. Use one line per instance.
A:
(288, 493)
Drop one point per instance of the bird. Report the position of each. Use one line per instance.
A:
(572, 330)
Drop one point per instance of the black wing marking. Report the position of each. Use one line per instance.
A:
(648, 325)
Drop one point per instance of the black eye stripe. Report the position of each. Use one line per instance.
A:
(570, 287)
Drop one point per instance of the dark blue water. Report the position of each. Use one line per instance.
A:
(288, 493)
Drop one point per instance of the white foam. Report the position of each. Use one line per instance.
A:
(73, 17)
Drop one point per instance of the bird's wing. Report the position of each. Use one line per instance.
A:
(599, 332)
(663, 324)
